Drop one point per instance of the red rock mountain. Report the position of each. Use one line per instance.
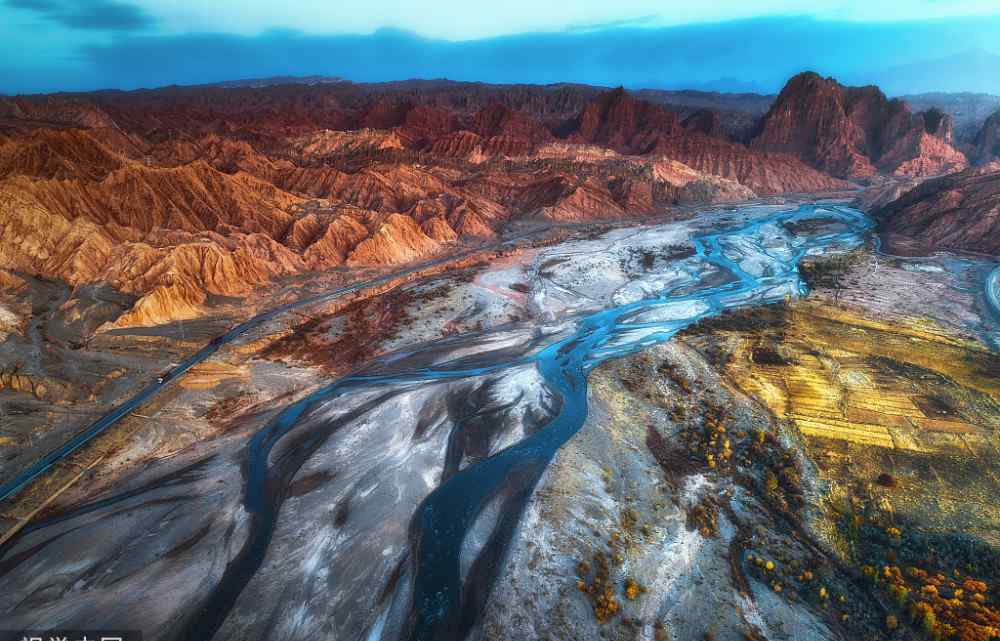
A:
(178, 194)
(705, 121)
(618, 121)
(621, 122)
(856, 132)
(960, 211)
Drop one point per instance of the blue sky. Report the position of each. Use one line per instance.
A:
(913, 46)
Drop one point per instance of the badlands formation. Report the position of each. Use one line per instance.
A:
(455, 412)
(178, 196)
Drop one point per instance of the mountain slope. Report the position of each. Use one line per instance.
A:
(960, 211)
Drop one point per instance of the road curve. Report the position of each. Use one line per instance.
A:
(117, 413)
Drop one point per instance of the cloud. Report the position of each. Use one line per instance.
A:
(760, 53)
(88, 15)
(973, 70)
(747, 55)
(615, 24)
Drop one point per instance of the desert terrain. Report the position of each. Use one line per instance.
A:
(435, 360)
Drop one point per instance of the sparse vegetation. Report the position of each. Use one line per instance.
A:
(932, 581)
(704, 517)
(828, 272)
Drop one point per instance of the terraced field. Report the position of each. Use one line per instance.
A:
(840, 376)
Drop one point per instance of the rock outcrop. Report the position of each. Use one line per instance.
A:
(397, 239)
(883, 193)
(986, 147)
(621, 122)
(960, 212)
(856, 132)
(57, 153)
(705, 121)
(10, 322)
(763, 172)
(40, 386)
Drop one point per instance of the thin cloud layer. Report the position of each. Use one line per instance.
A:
(78, 45)
(751, 55)
(88, 15)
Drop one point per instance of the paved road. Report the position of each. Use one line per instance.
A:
(116, 414)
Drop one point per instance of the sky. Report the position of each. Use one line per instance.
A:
(904, 46)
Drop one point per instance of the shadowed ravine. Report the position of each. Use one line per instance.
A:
(487, 457)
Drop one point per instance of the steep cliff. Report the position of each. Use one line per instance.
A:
(856, 132)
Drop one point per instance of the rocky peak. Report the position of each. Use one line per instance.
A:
(386, 114)
(939, 124)
(624, 123)
(855, 132)
(811, 119)
(424, 123)
(499, 120)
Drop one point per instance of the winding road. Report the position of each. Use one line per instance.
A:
(119, 412)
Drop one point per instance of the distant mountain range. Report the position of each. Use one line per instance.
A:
(753, 55)
(969, 110)
(741, 110)
(975, 71)
(277, 80)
